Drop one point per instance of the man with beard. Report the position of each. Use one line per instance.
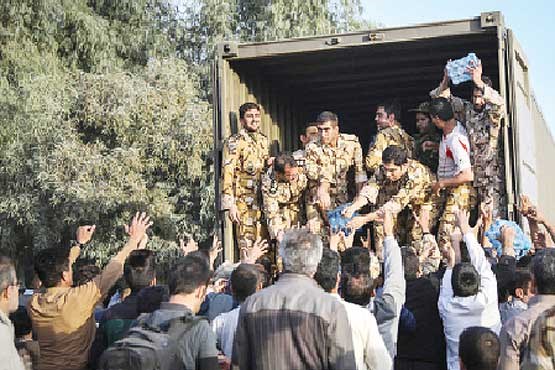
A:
(482, 119)
(244, 159)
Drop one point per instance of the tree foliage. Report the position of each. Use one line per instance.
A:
(104, 110)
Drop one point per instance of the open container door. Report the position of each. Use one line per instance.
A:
(521, 123)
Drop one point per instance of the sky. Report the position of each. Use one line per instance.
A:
(533, 22)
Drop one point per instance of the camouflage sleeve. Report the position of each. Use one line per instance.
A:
(411, 190)
(271, 208)
(457, 103)
(360, 171)
(230, 157)
(374, 156)
(495, 113)
(311, 164)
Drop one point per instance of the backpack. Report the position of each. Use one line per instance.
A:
(148, 347)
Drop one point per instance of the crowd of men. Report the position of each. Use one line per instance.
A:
(425, 291)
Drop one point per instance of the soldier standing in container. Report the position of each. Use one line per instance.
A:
(310, 134)
(328, 161)
(283, 188)
(482, 119)
(389, 133)
(244, 160)
(426, 141)
(454, 170)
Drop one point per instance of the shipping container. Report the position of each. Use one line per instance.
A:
(349, 74)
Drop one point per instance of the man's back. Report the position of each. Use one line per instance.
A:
(293, 324)
(196, 345)
(64, 325)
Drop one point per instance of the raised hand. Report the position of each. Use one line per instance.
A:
(85, 233)
(462, 221)
(233, 214)
(190, 246)
(258, 249)
(138, 227)
(215, 250)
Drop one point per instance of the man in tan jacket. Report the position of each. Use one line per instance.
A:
(62, 315)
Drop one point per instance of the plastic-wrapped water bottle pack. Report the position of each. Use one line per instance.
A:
(522, 244)
(457, 69)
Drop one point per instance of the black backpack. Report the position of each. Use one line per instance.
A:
(148, 347)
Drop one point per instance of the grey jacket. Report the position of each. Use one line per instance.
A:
(9, 358)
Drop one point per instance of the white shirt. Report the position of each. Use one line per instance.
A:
(370, 351)
(459, 313)
(454, 153)
(224, 326)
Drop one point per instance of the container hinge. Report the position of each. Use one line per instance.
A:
(376, 36)
(228, 49)
(333, 41)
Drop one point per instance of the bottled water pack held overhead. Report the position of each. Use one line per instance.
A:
(456, 69)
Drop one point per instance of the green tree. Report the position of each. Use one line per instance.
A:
(104, 110)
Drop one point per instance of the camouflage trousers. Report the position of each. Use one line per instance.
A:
(494, 196)
(489, 181)
(462, 197)
(407, 230)
(314, 214)
(287, 217)
(251, 226)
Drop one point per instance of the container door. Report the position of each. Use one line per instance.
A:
(521, 121)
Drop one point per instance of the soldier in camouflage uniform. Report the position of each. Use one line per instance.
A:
(328, 161)
(310, 134)
(244, 160)
(400, 184)
(482, 120)
(426, 141)
(454, 171)
(389, 133)
(283, 188)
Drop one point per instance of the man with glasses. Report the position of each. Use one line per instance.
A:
(245, 156)
(9, 299)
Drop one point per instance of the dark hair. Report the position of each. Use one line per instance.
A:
(328, 268)
(247, 106)
(525, 262)
(244, 281)
(391, 107)
(150, 298)
(84, 270)
(356, 289)
(140, 269)
(465, 280)
(487, 81)
(190, 272)
(283, 160)
(309, 124)
(21, 322)
(411, 264)
(479, 348)
(50, 263)
(326, 116)
(355, 261)
(7, 273)
(543, 268)
(522, 280)
(441, 107)
(265, 267)
(395, 154)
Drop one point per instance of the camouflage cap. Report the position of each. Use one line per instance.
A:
(422, 108)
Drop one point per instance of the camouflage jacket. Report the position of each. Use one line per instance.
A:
(244, 159)
(282, 200)
(428, 157)
(388, 136)
(325, 163)
(413, 189)
(482, 127)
